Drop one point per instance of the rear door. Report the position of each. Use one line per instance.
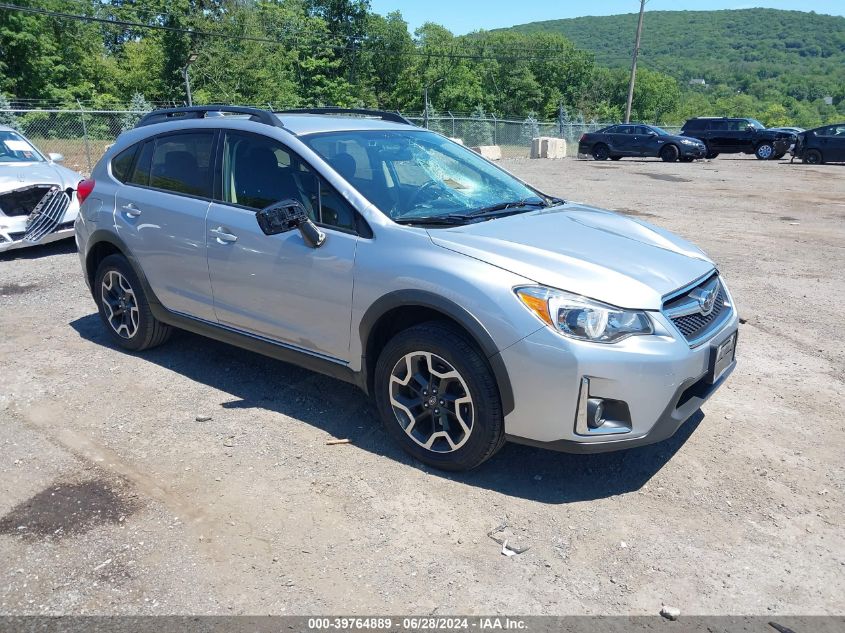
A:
(275, 286)
(160, 214)
(624, 141)
(718, 135)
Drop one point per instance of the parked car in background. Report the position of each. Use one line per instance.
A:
(824, 144)
(724, 135)
(37, 201)
(473, 307)
(642, 141)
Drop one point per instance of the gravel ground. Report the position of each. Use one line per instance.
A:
(116, 499)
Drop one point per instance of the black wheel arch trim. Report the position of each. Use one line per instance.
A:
(432, 301)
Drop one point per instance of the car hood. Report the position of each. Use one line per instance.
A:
(17, 175)
(584, 250)
(680, 137)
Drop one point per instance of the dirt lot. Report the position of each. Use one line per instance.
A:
(115, 498)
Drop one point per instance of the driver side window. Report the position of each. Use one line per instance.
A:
(259, 171)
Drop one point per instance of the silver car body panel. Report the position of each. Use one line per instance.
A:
(320, 301)
(20, 175)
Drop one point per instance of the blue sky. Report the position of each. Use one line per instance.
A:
(463, 16)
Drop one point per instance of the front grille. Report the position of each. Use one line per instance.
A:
(47, 215)
(687, 315)
(22, 201)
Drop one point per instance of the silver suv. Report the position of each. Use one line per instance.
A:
(474, 308)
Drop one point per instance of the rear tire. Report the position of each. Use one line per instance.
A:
(764, 151)
(601, 152)
(669, 154)
(438, 398)
(812, 157)
(124, 308)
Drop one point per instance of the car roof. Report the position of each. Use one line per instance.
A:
(302, 124)
(6, 128)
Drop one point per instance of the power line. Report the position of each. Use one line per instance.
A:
(263, 40)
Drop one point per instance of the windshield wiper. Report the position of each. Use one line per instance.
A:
(511, 207)
(449, 219)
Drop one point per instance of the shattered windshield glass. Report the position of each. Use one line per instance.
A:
(416, 173)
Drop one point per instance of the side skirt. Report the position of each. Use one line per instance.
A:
(313, 362)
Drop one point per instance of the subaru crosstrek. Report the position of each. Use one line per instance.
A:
(474, 308)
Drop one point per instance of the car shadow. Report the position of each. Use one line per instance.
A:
(59, 247)
(341, 410)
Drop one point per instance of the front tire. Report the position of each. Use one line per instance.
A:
(812, 157)
(438, 398)
(764, 151)
(124, 308)
(601, 152)
(669, 154)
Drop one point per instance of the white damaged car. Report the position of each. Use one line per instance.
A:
(37, 196)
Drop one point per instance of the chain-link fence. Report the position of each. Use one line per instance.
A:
(82, 136)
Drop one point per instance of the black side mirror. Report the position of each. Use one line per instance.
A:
(287, 215)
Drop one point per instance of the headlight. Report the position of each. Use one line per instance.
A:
(582, 318)
(688, 141)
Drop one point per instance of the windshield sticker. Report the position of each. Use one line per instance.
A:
(18, 146)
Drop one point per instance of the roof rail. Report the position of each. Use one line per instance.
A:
(202, 112)
(384, 115)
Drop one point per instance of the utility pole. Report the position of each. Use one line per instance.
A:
(192, 57)
(634, 63)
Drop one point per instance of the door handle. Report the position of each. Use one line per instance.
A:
(131, 210)
(223, 236)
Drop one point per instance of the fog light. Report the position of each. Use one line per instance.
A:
(595, 411)
(600, 416)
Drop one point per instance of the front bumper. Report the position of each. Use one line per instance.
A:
(692, 151)
(13, 228)
(659, 377)
(12, 239)
(783, 145)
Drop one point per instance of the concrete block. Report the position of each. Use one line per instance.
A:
(490, 152)
(548, 147)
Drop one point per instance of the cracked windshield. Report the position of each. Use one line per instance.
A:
(413, 176)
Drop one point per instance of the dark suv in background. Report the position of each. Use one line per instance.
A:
(723, 135)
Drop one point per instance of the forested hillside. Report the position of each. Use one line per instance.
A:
(771, 55)
(289, 53)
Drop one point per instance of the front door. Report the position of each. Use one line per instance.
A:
(831, 142)
(160, 214)
(275, 286)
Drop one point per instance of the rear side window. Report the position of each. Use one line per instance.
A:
(182, 163)
(141, 171)
(122, 163)
(694, 124)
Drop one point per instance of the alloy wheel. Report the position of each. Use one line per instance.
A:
(431, 402)
(120, 304)
(765, 152)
